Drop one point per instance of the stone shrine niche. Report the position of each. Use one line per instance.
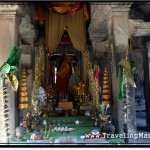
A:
(65, 71)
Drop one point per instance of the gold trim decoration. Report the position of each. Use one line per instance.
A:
(23, 93)
(88, 73)
(23, 88)
(105, 78)
(38, 76)
(23, 99)
(105, 86)
(22, 106)
(24, 80)
(23, 76)
(106, 97)
(24, 102)
(105, 82)
(24, 123)
(24, 84)
(106, 91)
(106, 103)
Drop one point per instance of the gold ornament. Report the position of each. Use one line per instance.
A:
(38, 76)
(88, 73)
(106, 97)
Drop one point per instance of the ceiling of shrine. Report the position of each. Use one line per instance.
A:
(99, 16)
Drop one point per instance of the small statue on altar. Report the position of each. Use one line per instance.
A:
(20, 132)
(106, 125)
(41, 96)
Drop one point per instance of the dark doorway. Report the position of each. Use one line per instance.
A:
(138, 57)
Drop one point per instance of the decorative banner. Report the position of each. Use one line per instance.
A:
(127, 68)
(124, 74)
(97, 77)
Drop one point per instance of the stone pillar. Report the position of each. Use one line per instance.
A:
(8, 38)
(27, 37)
(118, 37)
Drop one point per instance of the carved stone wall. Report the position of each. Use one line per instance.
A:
(98, 29)
(8, 38)
(27, 36)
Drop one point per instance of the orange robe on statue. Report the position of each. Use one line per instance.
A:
(63, 74)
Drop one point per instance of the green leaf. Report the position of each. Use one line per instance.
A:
(14, 56)
(13, 69)
(120, 86)
(4, 70)
(13, 51)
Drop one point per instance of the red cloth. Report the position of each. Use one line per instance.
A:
(97, 77)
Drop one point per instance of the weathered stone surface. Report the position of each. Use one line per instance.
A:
(121, 35)
(119, 43)
(8, 38)
(26, 60)
(140, 28)
(26, 29)
(98, 28)
(100, 48)
(26, 49)
(29, 83)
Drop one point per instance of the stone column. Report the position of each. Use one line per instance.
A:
(8, 38)
(118, 37)
(27, 37)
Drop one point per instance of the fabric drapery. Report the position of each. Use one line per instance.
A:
(75, 25)
(77, 30)
(59, 7)
(55, 24)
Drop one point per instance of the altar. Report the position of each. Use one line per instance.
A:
(79, 136)
(65, 99)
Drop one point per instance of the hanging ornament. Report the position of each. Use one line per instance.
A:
(23, 99)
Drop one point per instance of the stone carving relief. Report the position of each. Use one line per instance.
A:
(26, 28)
(8, 9)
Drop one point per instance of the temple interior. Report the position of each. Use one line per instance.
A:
(75, 73)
